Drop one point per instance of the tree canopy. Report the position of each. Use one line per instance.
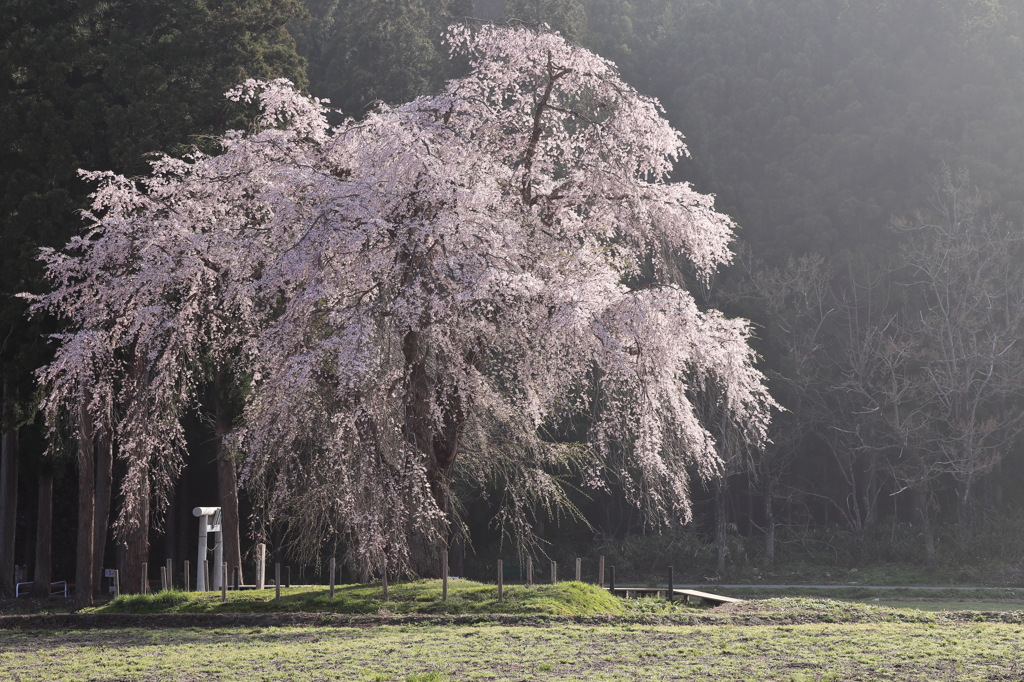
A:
(418, 295)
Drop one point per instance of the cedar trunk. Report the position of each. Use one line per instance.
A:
(86, 507)
(104, 482)
(8, 492)
(44, 538)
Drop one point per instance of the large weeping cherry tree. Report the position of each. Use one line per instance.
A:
(418, 297)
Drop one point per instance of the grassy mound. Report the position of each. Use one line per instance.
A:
(423, 596)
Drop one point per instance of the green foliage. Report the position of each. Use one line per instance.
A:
(362, 51)
(568, 17)
(100, 85)
(149, 603)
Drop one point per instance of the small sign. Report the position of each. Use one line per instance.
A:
(109, 572)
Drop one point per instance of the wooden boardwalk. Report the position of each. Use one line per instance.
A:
(681, 594)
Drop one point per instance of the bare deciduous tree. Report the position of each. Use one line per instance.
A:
(966, 285)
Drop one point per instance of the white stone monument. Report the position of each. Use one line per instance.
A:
(209, 522)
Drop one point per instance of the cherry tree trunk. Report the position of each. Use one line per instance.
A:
(439, 448)
(426, 552)
(86, 508)
(104, 482)
(44, 538)
(8, 492)
(227, 490)
(136, 544)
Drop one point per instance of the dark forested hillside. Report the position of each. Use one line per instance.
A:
(817, 124)
(815, 121)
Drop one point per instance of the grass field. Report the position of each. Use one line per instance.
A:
(570, 631)
(980, 599)
(872, 651)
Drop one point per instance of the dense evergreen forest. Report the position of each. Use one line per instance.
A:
(871, 154)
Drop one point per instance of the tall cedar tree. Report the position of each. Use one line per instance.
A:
(364, 51)
(100, 85)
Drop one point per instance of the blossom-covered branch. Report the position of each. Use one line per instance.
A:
(419, 294)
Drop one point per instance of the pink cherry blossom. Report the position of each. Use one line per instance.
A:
(415, 297)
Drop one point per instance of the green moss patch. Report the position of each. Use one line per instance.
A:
(419, 597)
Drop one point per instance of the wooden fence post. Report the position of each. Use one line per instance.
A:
(277, 582)
(600, 571)
(117, 583)
(554, 572)
(224, 581)
(332, 577)
(187, 584)
(579, 566)
(444, 575)
(170, 574)
(261, 566)
(501, 579)
(529, 570)
(163, 578)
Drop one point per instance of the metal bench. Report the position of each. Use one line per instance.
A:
(62, 588)
(637, 592)
(715, 599)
